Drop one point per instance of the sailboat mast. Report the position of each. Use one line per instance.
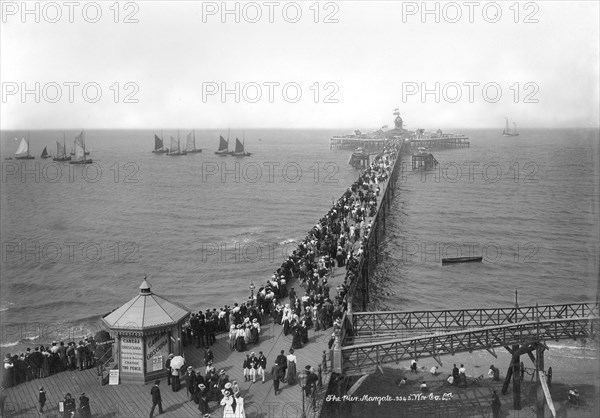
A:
(28, 139)
(194, 138)
(64, 145)
(83, 140)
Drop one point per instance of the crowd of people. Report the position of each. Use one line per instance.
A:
(43, 361)
(337, 240)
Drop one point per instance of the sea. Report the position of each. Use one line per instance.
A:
(78, 240)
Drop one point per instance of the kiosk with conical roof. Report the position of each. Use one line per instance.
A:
(147, 329)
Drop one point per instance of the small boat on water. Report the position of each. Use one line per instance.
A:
(240, 150)
(80, 152)
(45, 153)
(23, 150)
(158, 146)
(456, 260)
(423, 150)
(508, 132)
(191, 143)
(223, 146)
(61, 152)
(176, 150)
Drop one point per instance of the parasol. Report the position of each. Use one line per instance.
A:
(177, 362)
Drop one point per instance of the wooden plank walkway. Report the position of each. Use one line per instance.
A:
(129, 400)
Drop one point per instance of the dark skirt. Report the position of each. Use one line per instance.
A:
(240, 344)
(254, 335)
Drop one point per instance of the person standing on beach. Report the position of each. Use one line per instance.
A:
(462, 376)
(496, 405)
(413, 366)
(41, 400)
(156, 399)
(455, 375)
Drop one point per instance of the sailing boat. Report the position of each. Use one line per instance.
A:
(507, 132)
(61, 151)
(80, 152)
(223, 146)
(23, 150)
(239, 149)
(191, 143)
(158, 145)
(45, 153)
(175, 148)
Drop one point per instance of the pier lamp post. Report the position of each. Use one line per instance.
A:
(302, 378)
(252, 287)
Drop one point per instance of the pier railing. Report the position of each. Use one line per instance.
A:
(360, 358)
(384, 321)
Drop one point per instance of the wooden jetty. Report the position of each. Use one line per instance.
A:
(423, 161)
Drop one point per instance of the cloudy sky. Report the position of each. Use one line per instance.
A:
(300, 65)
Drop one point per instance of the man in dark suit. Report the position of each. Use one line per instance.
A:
(156, 399)
(168, 367)
(281, 361)
(275, 370)
(190, 379)
(311, 380)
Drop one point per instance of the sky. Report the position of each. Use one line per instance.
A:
(153, 64)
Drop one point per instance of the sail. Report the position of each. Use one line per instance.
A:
(222, 144)
(60, 149)
(239, 147)
(79, 153)
(190, 142)
(45, 152)
(23, 147)
(174, 145)
(158, 143)
(80, 139)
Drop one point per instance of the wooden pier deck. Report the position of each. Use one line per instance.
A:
(130, 400)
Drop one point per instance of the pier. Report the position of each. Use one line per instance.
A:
(259, 399)
(443, 141)
(353, 142)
